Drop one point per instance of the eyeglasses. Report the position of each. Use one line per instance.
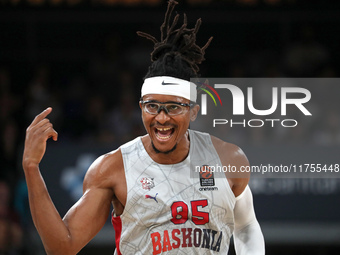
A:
(171, 108)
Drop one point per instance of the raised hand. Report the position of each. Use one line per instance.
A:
(40, 130)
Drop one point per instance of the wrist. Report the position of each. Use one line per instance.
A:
(29, 165)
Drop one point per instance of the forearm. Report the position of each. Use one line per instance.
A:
(249, 240)
(248, 237)
(52, 230)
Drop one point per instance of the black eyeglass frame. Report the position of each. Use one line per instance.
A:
(162, 107)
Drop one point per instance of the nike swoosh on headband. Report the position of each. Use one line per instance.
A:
(169, 83)
(180, 88)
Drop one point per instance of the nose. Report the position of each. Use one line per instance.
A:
(162, 117)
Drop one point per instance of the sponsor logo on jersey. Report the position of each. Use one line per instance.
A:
(207, 179)
(147, 183)
(206, 176)
(151, 197)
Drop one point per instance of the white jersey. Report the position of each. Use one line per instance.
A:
(179, 208)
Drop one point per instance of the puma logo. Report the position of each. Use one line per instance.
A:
(154, 198)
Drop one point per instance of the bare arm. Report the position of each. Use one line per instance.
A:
(232, 155)
(248, 236)
(83, 220)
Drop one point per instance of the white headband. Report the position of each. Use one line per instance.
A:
(166, 85)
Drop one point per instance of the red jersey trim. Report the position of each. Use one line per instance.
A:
(117, 225)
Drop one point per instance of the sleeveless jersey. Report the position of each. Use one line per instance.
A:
(183, 208)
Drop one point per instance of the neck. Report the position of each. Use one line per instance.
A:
(176, 155)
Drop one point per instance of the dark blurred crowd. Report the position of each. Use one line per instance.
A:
(99, 105)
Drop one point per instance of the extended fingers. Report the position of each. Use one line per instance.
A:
(41, 116)
(42, 126)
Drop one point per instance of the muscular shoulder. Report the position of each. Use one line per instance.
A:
(231, 154)
(105, 171)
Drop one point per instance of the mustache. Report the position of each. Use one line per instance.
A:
(156, 125)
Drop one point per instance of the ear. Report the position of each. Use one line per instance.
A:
(193, 112)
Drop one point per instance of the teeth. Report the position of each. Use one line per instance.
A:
(163, 129)
(163, 137)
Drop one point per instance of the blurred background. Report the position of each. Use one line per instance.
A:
(85, 60)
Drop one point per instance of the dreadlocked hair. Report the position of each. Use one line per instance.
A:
(176, 54)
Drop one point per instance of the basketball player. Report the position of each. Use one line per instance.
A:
(160, 205)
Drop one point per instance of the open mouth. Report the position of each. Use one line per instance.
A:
(164, 134)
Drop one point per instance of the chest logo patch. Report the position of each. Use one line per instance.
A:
(147, 183)
(206, 176)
